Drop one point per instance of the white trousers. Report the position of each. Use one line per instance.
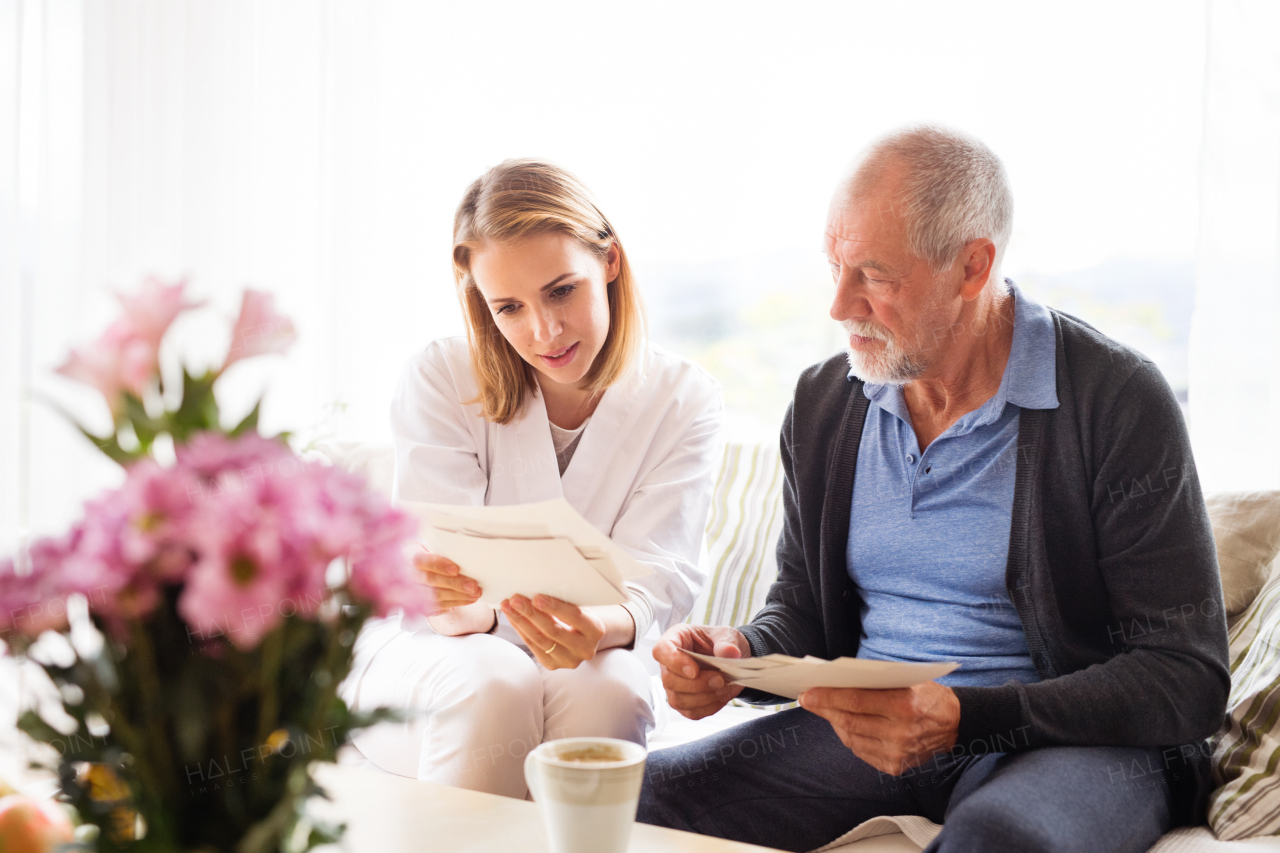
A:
(479, 703)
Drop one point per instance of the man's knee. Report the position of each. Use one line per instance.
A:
(979, 824)
(662, 796)
(655, 808)
(681, 781)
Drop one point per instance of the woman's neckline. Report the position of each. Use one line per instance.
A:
(575, 431)
(561, 412)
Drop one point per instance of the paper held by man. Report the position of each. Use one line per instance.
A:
(787, 676)
(528, 549)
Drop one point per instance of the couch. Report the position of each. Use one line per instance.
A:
(743, 526)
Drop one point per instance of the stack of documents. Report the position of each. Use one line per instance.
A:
(786, 676)
(542, 548)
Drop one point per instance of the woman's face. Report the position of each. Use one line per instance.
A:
(548, 296)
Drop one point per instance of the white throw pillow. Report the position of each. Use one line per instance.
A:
(1246, 529)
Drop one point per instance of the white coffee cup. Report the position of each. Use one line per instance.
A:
(588, 803)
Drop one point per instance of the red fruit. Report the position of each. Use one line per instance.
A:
(28, 825)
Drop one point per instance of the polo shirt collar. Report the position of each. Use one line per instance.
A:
(1031, 374)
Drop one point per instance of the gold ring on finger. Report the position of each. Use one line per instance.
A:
(554, 646)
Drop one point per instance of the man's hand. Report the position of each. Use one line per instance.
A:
(691, 690)
(892, 730)
(560, 635)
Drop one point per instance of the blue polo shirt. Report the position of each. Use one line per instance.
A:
(929, 532)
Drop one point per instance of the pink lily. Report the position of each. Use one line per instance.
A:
(121, 360)
(153, 308)
(259, 329)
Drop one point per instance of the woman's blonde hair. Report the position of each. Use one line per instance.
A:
(524, 198)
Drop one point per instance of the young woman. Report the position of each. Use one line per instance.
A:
(553, 393)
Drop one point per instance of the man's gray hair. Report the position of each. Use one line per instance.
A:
(955, 191)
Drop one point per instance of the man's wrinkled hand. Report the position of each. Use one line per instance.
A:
(892, 730)
(692, 690)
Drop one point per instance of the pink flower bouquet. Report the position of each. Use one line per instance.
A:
(226, 589)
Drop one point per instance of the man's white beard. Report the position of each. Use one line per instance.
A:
(890, 366)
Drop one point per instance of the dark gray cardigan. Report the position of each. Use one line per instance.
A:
(1112, 566)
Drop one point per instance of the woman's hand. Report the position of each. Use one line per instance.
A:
(450, 588)
(456, 608)
(561, 635)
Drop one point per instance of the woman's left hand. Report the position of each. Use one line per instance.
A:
(560, 635)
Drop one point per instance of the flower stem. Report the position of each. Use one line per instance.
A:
(155, 715)
(269, 704)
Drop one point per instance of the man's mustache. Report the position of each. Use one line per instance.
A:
(864, 329)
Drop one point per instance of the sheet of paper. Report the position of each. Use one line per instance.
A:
(789, 676)
(505, 567)
(555, 518)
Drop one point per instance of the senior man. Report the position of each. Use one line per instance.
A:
(984, 480)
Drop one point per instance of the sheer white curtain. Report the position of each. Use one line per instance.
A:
(40, 123)
(1235, 334)
(240, 143)
(12, 338)
(317, 148)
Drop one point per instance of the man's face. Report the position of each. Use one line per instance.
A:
(888, 300)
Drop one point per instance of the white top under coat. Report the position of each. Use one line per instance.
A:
(565, 442)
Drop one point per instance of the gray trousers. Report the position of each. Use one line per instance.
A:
(786, 781)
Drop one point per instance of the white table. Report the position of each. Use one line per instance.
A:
(392, 814)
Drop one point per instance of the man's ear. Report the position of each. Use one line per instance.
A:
(979, 257)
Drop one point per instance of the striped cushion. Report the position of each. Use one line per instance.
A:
(1247, 752)
(742, 533)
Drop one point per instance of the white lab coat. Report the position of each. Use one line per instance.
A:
(642, 472)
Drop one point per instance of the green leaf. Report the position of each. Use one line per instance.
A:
(364, 719)
(249, 423)
(34, 725)
(325, 833)
(265, 835)
(199, 408)
(110, 446)
(145, 427)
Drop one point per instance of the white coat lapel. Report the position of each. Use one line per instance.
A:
(524, 466)
(592, 470)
